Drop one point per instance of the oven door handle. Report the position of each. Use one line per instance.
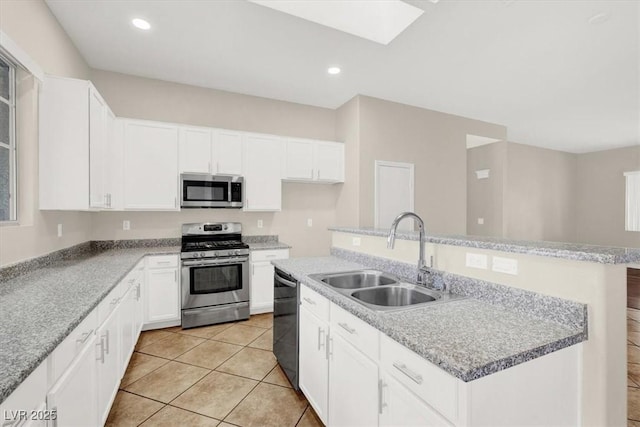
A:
(226, 261)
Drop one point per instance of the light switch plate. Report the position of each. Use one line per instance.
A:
(126, 225)
(309, 222)
(505, 265)
(476, 261)
(59, 230)
(481, 221)
(260, 224)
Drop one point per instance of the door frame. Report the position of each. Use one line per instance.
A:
(383, 163)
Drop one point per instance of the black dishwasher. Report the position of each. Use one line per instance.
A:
(285, 323)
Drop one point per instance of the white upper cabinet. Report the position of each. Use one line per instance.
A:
(98, 162)
(314, 161)
(262, 173)
(227, 152)
(195, 150)
(150, 165)
(329, 161)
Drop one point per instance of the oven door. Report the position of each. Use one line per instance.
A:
(214, 281)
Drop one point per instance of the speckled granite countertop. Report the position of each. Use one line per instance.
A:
(41, 308)
(263, 243)
(468, 338)
(572, 251)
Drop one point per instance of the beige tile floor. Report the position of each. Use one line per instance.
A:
(220, 375)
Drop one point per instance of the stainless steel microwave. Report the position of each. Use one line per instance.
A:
(211, 191)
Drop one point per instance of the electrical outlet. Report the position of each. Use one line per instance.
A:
(481, 221)
(356, 241)
(309, 222)
(476, 261)
(126, 225)
(260, 224)
(505, 265)
(59, 230)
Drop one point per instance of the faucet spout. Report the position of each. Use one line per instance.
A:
(391, 238)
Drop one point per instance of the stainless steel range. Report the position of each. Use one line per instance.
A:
(215, 274)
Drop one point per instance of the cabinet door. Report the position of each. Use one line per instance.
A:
(262, 173)
(97, 150)
(108, 362)
(227, 153)
(127, 320)
(162, 295)
(314, 366)
(74, 395)
(400, 407)
(138, 319)
(261, 299)
(299, 160)
(353, 386)
(329, 160)
(151, 166)
(195, 150)
(113, 173)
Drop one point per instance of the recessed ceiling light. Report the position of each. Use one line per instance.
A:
(599, 18)
(333, 70)
(141, 23)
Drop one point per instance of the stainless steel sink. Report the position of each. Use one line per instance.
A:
(356, 279)
(393, 296)
(380, 291)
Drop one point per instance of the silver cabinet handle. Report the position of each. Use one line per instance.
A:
(163, 262)
(114, 301)
(416, 378)
(318, 174)
(347, 328)
(328, 352)
(101, 345)
(381, 404)
(217, 167)
(321, 340)
(175, 275)
(311, 173)
(107, 340)
(271, 256)
(138, 292)
(209, 167)
(309, 301)
(175, 202)
(84, 337)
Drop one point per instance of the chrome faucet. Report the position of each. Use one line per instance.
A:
(423, 270)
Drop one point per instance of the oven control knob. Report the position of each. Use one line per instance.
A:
(236, 252)
(201, 254)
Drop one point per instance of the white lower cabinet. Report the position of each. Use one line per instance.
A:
(261, 279)
(108, 361)
(400, 407)
(162, 292)
(314, 361)
(74, 396)
(370, 379)
(353, 385)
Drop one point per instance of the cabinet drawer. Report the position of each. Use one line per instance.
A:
(27, 397)
(71, 346)
(162, 261)
(257, 256)
(110, 302)
(427, 381)
(314, 302)
(361, 335)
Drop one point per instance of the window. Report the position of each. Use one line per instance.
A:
(7, 140)
(632, 201)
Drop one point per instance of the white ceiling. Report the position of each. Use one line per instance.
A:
(538, 67)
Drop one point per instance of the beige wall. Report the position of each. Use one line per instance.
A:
(150, 99)
(31, 26)
(600, 203)
(435, 142)
(485, 197)
(348, 131)
(540, 194)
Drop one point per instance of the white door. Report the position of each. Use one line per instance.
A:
(151, 166)
(227, 153)
(74, 395)
(299, 158)
(393, 193)
(108, 363)
(262, 173)
(261, 289)
(400, 407)
(314, 367)
(162, 295)
(329, 160)
(195, 150)
(353, 386)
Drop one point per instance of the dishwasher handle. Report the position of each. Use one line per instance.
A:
(278, 278)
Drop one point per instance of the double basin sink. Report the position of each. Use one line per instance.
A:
(380, 291)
